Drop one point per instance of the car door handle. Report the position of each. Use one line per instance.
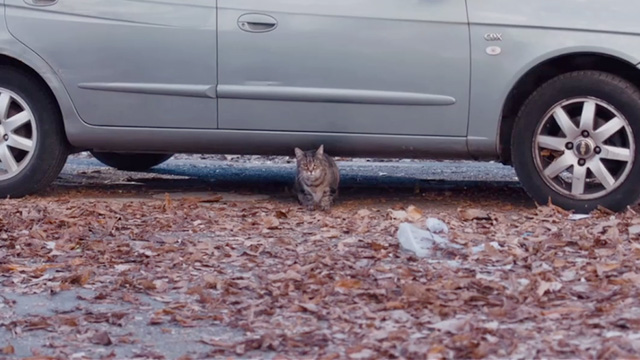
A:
(257, 23)
(41, 2)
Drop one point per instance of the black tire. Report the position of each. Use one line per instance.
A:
(131, 161)
(51, 148)
(620, 94)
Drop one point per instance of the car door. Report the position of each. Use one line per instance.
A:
(127, 63)
(344, 66)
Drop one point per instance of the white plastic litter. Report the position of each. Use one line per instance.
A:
(421, 242)
(480, 248)
(437, 226)
(575, 217)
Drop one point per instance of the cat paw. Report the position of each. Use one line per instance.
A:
(326, 205)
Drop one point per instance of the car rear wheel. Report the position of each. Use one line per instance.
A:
(575, 142)
(131, 161)
(33, 147)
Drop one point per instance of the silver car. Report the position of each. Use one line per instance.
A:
(551, 87)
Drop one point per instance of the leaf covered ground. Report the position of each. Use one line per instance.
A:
(206, 277)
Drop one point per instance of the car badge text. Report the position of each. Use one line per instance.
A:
(493, 36)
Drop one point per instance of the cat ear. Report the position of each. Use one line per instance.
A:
(299, 153)
(320, 150)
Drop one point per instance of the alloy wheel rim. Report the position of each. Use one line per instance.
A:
(18, 134)
(584, 148)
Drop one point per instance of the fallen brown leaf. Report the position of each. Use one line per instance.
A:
(80, 278)
(349, 284)
(218, 343)
(203, 296)
(395, 305)
(414, 290)
(211, 199)
(8, 350)
(546, 286)
(289, 275)
(400, 215)
(603, 268)
(271, 222)
(563, 311)
(147, 284)
(312, 308)
(360, 352)
(473, 214)
(413, 213)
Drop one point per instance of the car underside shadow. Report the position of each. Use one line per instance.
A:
(442, 184)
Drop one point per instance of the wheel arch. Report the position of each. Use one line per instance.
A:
(23, 59)
(9, 61)
(544, 69)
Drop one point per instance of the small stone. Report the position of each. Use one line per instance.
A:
(493, 325)
(364, 213)
(400, 316)
(453, 326)
(101, 338)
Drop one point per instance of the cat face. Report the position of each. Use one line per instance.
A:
(310, 163)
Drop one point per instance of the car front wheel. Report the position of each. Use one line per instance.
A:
(575, 142)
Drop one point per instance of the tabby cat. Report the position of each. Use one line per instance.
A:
(317, 179)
